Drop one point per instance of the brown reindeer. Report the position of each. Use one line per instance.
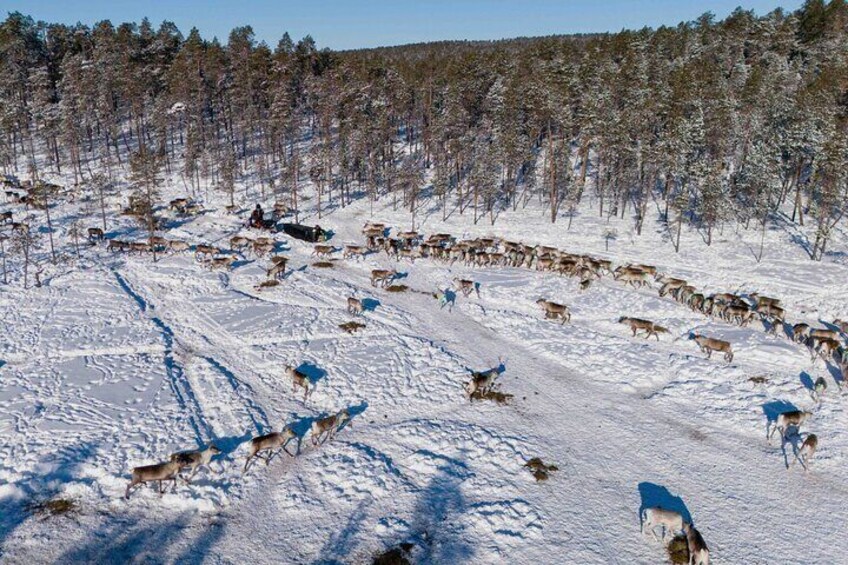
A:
(117, 245)
(270, 442)
(355, 306)
(148, 473)
(225, 262)
(176, 245)
(330, 426)
(637, 324)
(699, 554)
(205, 251)
(277, 270)
(240, 243)
(266, 284)
(323, 251)
(467, 287)
(95, 234)
(382, 277)
(553, 310)
(708, 345)
(299, 379)
(354, 251)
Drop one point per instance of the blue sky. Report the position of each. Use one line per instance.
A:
(341, 24)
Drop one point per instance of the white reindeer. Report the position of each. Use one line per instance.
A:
(355, 306)
(792, 418)
(480, 382)
(669, 520)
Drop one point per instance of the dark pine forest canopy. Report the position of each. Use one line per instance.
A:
(707, 122)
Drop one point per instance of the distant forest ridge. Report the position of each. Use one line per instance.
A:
(707, 122)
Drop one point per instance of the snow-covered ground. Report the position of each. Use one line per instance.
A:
(119, 361)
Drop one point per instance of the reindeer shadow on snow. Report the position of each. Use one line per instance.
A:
(370, 304)
(312, 371)
(785, 418)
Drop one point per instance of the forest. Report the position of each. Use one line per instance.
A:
(710, 122)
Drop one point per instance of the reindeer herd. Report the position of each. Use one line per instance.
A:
(264, 447)
(732, 308)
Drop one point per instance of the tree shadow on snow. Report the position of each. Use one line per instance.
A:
(656, 496)
(65, 464)
(125, 541)
(435, 518)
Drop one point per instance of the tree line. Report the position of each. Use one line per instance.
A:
(708, 122)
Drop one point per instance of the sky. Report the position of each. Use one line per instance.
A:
(348, 24)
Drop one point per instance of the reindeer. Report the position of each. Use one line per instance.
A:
(95, 234)
(20, 227)
(739, 314)
(148, 473)
(354, 251)
(157, 242)
(270, 442)
(708, 345)
(117, 245)
(481, 382)
(793, 418)
(205, 251)
(355, 306)
(807, 451)
(195, 459)
(240, 243)
(139, 246)
(699, 554)
(323, 251)
(299, 379)
(670, 285)
(772, 313)
(277, 270)
(801, 333)
(266, 284)
(6, 217)
(633, 277)
(669, 520)
(176, 245)
(823, 346)
(261, 248)
(225, 262)
(410, 253)
(383, 277)
(819, 388)
(467, 287)
(178, 204)
(650, 269)
(764, 300)
(329, 425)
(820, 334)
(554, 310)
(650, 328)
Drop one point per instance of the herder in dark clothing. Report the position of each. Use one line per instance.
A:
(257, 217)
